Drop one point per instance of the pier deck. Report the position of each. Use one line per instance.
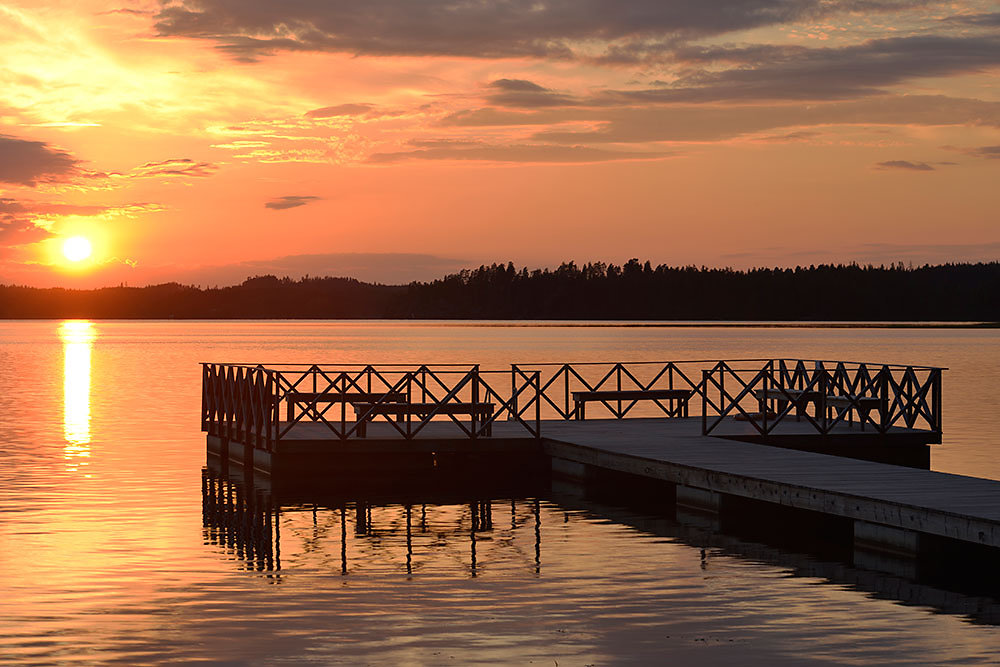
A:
(936, 503)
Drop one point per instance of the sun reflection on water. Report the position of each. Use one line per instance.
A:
(78, 338)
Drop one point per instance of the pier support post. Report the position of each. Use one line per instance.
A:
(699, 507)
(569, 470)
(886, 549)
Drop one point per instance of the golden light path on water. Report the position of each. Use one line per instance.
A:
(78, 338)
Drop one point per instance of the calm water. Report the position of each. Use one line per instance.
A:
(107, 556)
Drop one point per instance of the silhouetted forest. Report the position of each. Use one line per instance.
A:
(949, 292)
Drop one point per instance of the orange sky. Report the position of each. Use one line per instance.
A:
(205, 140)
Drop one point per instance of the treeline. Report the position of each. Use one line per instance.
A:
(949, 292)
(264, 297)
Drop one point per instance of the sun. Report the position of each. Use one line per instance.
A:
(76, 249)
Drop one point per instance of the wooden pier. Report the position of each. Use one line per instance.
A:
(713, 434)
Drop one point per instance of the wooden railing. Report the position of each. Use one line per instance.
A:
(559, 383)
(823, 394)
(261, 404)
(880, 396)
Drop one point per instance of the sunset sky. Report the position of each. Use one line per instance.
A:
(207, 140)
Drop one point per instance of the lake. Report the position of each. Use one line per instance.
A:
(113, 554)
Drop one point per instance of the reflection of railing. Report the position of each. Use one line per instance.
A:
(248, 523)
(882, 396)
(245, 403)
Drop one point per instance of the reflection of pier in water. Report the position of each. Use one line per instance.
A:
(713, 543)
(247, 522)
(404, 535)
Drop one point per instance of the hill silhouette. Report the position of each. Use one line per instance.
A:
(635, 290)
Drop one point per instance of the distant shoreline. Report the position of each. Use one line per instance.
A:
(612, 324)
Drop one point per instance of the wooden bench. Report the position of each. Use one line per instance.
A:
(830, 402)
(848, 404)
(581, 398)
(782, 397)
(368, 411)
(312, 399)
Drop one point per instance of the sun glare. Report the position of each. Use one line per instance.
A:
(76, 249)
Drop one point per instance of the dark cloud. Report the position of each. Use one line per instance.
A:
(517, 86)
(24, 162)
(520, 153)
(290, 201)
(503, 28)
(714, 123)
(988, 152)
(989, 20)
(341, 110)
(798, 73)
(523, 94)
(905, 165)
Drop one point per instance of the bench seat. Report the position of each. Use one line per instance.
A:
(581, 398)
(313, 398)
(368, 411)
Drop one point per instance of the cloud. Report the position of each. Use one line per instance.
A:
(988, 20)
(766, 72)
(290, 201)
(341, 110)
(519, 153)
(715, 123)
(526, 94)
(25, 162)
(389, 268)
(988, 152)
(174, 167)
(905, 165)
(25, 221)
(180, 167)
(506, 28)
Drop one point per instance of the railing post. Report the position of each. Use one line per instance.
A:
(704, 402)
(513, 392)
(884, 395)
(565, 372)
(538, 404)
(936, 390)
(768, 379)
(618, 386)
(475, 402)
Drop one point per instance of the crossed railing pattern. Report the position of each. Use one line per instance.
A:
(237, 403)
(559, 382)
(246, 403)
(882, 396)
(256, 404)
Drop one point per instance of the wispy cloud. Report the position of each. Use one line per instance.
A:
(905, 165)
(290, 201)
(520, 153)
(351, 109)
